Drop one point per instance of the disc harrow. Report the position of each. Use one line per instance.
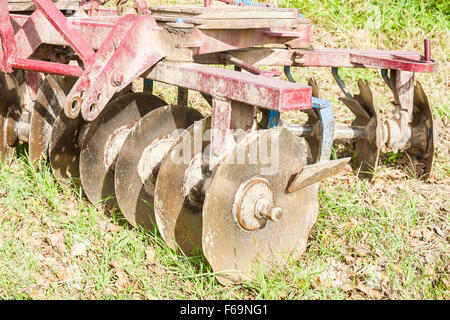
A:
(239, 185)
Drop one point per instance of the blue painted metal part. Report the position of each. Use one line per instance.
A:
(325, 112)
(274, 119)
(326, 117)
(249, 3)
(384, 74)
(148, 85)
(287, 72)
(179, 20)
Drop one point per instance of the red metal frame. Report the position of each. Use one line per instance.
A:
(115, 50)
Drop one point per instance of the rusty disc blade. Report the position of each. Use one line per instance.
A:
(50, 98)
(366, 151)
(104, 139)
(424, 133)
(139, 160)
(64, 148)
(234, 251)
(178, 216)
(10, 111)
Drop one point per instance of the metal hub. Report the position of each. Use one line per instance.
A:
(254, 204)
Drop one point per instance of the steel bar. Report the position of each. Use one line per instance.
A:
(7, 42)
(383, 59)
(340, 131)
(254, 90)
(47, 67)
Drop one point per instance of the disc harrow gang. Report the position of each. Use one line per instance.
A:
(241, 190)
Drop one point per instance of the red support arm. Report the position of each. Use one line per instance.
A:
(8, 45)
(69, 33)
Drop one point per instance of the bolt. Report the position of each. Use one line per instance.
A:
(265, 208)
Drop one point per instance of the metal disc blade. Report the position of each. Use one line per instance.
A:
(104, 139)
(10, 98)
(365, 97)
(234, 251)
(424, 132)
(180, 222)
(315, 87)
(64, 148)
(50, 99)
(142, 153)
(366, 152)
(355, 107)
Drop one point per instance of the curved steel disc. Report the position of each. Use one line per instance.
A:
(64, 148)
(10, 107)
(314, 142)
(229, 248)
(423, 132)
(179, 222)
(142, 153)
(366, 151)
(50, 98)
(103, 141)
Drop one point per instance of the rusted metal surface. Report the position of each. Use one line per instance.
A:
(254, 204)
(10, 112)
(424, 134)
(50, 100)
(179, 189)
(234, 252)
(110, 71)
(103, 142)
(248, 88)
(7, 38)
(383, 59)
(367, 149)
(140, 158)
(64, 147)
(57, 19)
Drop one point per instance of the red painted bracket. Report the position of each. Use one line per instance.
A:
(70, 34)
(8, 45)
(132, 47)
(264, 92)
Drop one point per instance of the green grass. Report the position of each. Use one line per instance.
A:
(387, 239)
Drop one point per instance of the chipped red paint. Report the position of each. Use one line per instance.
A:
(61, 23)
(8, 45)
(33, 81)
(252, 89)
(46, 67)
(221, 137)
(129, 46)
(384, 59)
